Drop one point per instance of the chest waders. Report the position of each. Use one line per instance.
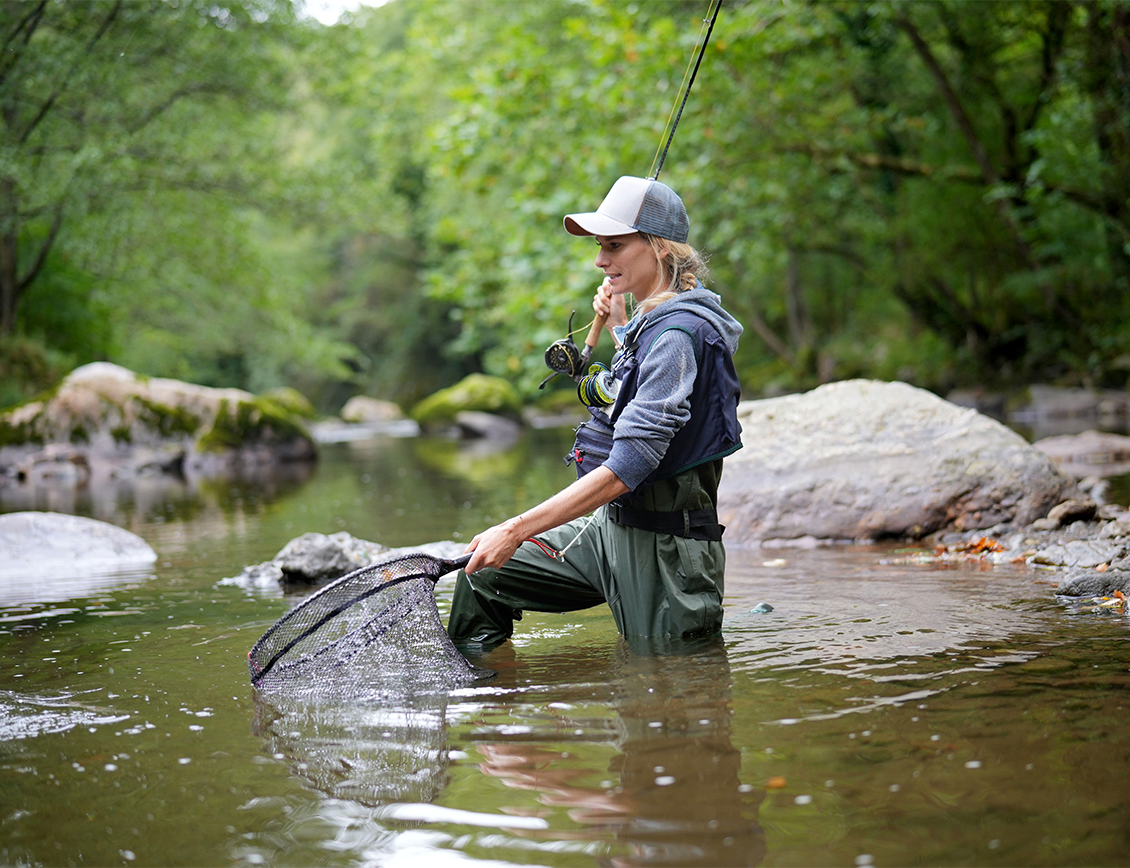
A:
(654, 556)
(656, 584)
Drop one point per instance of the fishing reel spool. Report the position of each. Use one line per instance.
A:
(563, 356)
(598, 388)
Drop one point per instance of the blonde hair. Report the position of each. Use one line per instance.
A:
(681, 268)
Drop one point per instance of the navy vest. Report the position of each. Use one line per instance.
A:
(713, 431)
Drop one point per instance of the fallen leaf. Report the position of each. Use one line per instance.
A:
(777, 783)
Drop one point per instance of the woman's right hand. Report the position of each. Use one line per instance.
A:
(609, 305)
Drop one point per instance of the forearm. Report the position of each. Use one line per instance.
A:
(495, 546)
(588, 493)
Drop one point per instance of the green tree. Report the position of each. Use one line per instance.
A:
(140, 145)
(931, 191)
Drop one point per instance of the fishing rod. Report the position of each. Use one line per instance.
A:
(563, 356)
(708, 25)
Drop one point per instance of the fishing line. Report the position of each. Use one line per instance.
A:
(685, 88)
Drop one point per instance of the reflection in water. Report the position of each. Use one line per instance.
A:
(371, 753)
(680, 800)
(166, 509)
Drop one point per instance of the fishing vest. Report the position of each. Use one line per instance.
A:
(713, 430)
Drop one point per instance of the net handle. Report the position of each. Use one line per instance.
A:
(445, 566)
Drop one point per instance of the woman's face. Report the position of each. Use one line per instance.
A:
(629, 264)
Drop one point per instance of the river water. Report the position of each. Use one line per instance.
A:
(886, 711)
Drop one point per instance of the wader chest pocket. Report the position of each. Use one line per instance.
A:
(591, 447)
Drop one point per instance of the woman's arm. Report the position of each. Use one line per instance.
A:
(495, 546)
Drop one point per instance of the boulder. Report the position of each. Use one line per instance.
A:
(49, 557)
(476, 392)
(864, 459)
(489, 426)
(1092, 453)
(315, 558)
(364, 410)
(104, 418)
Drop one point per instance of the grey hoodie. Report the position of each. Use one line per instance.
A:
(667, 375)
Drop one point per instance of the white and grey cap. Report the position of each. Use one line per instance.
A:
(635, 205)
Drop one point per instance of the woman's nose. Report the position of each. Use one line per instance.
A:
(601, 258)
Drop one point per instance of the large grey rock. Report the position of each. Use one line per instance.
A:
(864, 459)
(49, 557)
(1091, 583)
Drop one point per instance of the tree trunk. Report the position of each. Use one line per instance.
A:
(9, 265)
(1108, 32)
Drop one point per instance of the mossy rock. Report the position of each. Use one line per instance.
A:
(474, 392)
(291, 401)
(258, 421)
(109, 413)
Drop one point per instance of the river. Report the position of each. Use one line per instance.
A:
(885, 711)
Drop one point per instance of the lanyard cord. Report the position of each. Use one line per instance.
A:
(708, 25)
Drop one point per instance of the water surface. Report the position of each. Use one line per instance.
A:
(884, 712)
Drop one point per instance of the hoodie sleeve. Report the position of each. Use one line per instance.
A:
(661, 407)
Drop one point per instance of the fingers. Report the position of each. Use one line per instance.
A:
(602, 300)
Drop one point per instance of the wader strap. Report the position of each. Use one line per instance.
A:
(690, 523)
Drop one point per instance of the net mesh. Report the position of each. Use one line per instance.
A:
(376, 630)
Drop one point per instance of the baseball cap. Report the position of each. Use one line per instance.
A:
(635, 205)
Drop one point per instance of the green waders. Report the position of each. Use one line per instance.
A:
(656, 584)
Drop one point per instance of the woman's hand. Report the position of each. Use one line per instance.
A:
(611, 306)
(495, 545)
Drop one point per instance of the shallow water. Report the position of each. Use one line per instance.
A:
(884, 712)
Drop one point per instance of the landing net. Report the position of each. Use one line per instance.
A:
(372, 631)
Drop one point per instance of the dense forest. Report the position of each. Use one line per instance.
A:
(233, 194)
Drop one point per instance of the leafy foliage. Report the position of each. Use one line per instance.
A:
(937, 192)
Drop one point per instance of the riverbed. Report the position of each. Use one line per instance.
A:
(862, 707)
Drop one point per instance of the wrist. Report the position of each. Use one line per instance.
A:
(516, 526)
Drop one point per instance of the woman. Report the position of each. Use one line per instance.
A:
(652, 551)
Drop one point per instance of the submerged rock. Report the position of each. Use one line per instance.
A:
(863, 459)
(315, 558)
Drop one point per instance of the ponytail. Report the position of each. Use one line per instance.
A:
(681, 266)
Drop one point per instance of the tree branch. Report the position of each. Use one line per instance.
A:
(27, 25)
(897, 165)
(1055, 37)
(953, 102)
(44, 249)
(89, 48)
(963, 174)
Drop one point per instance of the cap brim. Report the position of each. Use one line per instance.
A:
(595, 223)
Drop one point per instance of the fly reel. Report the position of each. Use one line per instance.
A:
(563, 356)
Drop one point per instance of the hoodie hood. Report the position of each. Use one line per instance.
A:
(699, 301)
